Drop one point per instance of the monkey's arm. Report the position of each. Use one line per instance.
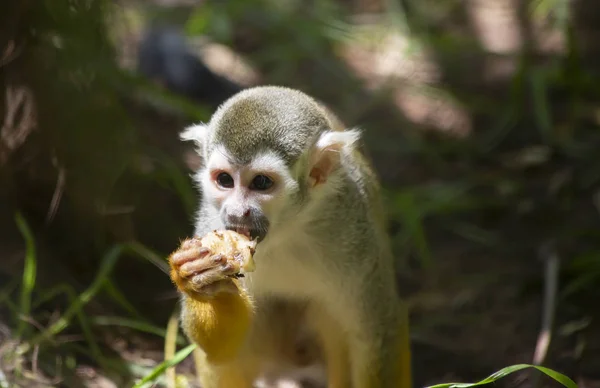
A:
(218, 325)
(216, 311)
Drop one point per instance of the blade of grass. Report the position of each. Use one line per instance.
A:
(564, 380)
(147, 254)
(115, 365)
(163, 366)
(10, 304)
(133, 324)
(29, 274)
(5, 294)
(71, 294)
(88, 334)
(107, 265)
(51, 293)
(171, 347)
(118, 297)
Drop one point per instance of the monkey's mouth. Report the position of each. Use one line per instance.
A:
(251, 233)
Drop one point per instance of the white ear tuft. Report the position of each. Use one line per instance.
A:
(338, 141)
(195, 133)
(326, 154)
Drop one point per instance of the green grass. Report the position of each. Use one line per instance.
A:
(39, 344)
(163, 366)
(564, 380)
(102, 279)
(29, 275)
(80, 301)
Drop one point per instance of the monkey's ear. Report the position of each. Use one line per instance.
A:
(327, 153)
(195, 133)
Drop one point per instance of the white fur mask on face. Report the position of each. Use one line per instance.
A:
(312, 175)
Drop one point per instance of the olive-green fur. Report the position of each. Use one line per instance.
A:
(267, 118)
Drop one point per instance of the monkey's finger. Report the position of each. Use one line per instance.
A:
(183, 256)
(209, 276)
(201, 265)
(218, 287)
(191, 242)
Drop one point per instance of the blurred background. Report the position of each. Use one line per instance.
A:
(482, 118)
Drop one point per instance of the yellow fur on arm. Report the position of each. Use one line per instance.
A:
(218, 324)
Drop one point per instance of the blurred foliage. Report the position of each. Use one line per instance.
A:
(101, 176)
(88, 176)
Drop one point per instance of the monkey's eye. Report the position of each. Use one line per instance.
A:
(261, 183)
(225, 180)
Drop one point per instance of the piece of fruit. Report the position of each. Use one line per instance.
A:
(237, 248)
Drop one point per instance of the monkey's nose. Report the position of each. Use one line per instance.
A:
(240, 217)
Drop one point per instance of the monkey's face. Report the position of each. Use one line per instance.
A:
(249, 196)
(266, 153)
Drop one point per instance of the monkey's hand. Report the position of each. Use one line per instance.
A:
(217, 311)
(204, 267)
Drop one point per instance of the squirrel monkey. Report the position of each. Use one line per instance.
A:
(278, 167)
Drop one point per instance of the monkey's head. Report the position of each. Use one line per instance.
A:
(266, 153)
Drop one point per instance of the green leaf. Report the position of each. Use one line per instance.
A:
(564, 380)
(29, 273)
(163, 366)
